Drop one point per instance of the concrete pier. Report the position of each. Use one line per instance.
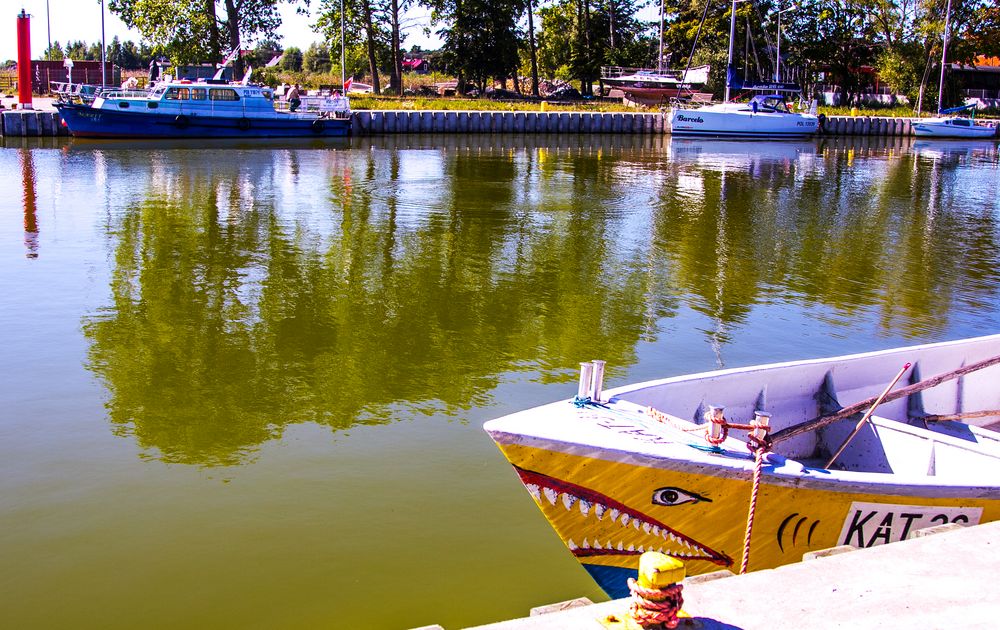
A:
(941, 578)
(45, 122)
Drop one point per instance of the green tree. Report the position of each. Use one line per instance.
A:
(263, 53)
(291, 60)
(366, 36)
(54, 52)
(77, 50)
(316, 58)
(480, 38)
(196, 30)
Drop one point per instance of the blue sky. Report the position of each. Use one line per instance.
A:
(72, 20)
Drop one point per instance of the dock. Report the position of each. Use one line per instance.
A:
(942, 577)
(44, 122)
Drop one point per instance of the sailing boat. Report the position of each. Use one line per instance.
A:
(654, 87)
(766, 115)
(944, 126)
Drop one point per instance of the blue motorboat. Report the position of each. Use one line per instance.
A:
(210, 108)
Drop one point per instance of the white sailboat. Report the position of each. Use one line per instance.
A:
(656, 87)
(943, 125)
(766, 115)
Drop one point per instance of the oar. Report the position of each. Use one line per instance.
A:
(821, 421)
(868, 414)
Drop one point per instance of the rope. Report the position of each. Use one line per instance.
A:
(655, 606)
(758, 465)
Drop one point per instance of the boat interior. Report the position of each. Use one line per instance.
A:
(946, 431)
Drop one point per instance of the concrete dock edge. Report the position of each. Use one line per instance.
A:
(939, 579)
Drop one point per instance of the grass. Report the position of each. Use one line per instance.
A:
(422, 103)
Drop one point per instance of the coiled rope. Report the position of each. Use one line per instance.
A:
(655, 606)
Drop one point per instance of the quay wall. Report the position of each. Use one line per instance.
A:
(389, 122)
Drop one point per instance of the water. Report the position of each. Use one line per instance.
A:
(243, 385)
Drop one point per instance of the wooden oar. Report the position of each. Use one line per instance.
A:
(968, 415)
(821, 421)
(868, 414)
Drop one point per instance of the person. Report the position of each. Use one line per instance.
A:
(293, 98)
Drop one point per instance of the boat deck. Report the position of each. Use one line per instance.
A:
(928, 581)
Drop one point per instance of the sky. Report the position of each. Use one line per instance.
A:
(71, 20)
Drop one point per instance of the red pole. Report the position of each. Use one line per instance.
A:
(24, 60)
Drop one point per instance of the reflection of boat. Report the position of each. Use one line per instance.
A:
(205, 109)
(953, 126)
(766, 115)
(632, 470)
(954, 148)
(738, 151)
(224, 144)
(653, 87)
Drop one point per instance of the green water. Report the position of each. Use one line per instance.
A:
(243, 385)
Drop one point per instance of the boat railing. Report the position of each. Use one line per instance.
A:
(614, 72)
(119, 93)
(337, 105)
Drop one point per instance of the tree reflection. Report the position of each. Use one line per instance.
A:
(259, 289)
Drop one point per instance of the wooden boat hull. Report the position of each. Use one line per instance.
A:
(614, 480)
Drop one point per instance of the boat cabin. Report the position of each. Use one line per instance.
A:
(209, 97)
(769, 103)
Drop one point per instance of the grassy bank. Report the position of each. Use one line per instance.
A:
(420, 103)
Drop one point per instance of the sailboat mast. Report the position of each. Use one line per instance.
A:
(944, 54)
(659, 58)
(732, 35)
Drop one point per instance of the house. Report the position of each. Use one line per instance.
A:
(417, 65)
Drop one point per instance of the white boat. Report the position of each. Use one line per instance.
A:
(665, 466)
(951, 126)
(655, 87)
(764, 116)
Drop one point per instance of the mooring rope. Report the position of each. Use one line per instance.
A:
(655, 606)
(757, 468)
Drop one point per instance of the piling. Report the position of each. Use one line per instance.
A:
(388, 122)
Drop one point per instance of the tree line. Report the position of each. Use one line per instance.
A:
(486, 42)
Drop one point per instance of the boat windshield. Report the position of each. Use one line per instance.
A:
(769, 103)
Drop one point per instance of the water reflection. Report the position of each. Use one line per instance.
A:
(257, 288)
(29, 201)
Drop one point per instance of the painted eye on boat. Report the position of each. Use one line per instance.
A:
(676, 496)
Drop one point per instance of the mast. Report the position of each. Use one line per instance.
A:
(944, 53)
(732, 35)
(659, 57)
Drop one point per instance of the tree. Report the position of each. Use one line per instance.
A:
(316, 58)
(837, 37)
(365, 34)
(480, 37)
(532, 48)
(193, 31)
(54, 52)
(291, 60)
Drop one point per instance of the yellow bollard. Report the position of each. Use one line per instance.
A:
(657, 570)
(854, 111)
(656, 595)
(545, 106)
